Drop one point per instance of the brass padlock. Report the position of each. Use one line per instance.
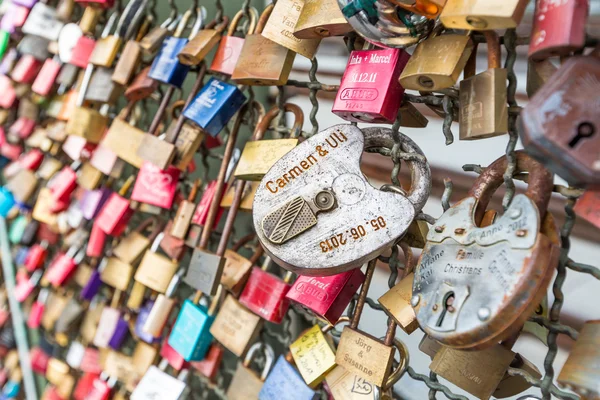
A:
(483, 97)
(235, 327)
(538, 73)
(513, 385)
(155, 270)
(281, 25)
(185, 213)
(262, 61)
(152, 41)
(22, 185)
(246, 384)
(133, 246)
(88, 123)
(396, 302)
(437, 62)
(89, 177)
(200, 45)
(319, 19)
(131, 56)
(123, 138)
(115, 273)
(237, 268)
(247, 196)
(483, 14)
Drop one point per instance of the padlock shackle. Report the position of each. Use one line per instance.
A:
(541, 183)
(404, 362)
(265, 122)
(264, 17)
(218, 26)
(362, 297)
(269, 358)
(244, 240)
(253, 16)
(377, 137)
(494, 52)
(145, 224)
(327, 328)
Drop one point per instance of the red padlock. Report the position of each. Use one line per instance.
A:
(63, 184)
(116, 212)
(37, 309)
(8, 92)
(37, 256)
(23, 127)
(588, 207)
(63, 266)
(11, 151)
(90, 362)
(51, 393)
(154, 186)
(25, 287)
(369, 90)
(558, 28)
(84, 385)
(32, 159)
(95, 246)
(209, 367)
(101, 389)
(26, 69)
(174, 247)
(44, 81)
(39, 360)
(174, 359)
(46, 233)
(327, 296)
(82, 51)
(265, 295)
(203, 207)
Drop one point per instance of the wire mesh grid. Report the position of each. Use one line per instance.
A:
(447, 101)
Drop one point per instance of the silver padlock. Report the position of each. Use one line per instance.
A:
(315, 213)
(384, 24)
(475, 286)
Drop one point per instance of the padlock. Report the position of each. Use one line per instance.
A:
(7, 201)
(116, 273)
(538, 73)
(63, 266)
(465, 290)
(437, 62)
(366, 356)
(579, 373)
(36, 256)
(173, 247)
(260, 155)
(320, 19)
(123, 138)
(262, 61)
(23, 127)
(155, 186)
(45, 79)
(84, 386)
(107, 47)
(281, 25)
(230, 46)
(237, 268)
(119, 366)
(22, 185)
(14, 18)
(155, 270)
(396, 303)
(132, 247)
(42, 21)
(157, 383)
(588, 207)
(92, 202)
(173, 358)
(565, 142)
(483, 15)
(513, 385)
(9, 96)
(344, 385)
(376, 228)
(205, 40)
(58, 374)
(39, 360)
(26, 69)
(153, 40)
(285, 381)
(235, 327)
(483, 97)
(68, 317)
(26, 287)
(185, 212)
(143, 357)
(107, 323)
(166, 67)
(214, 106)
(102, 89)
(247, 384)
(327, 297)
(369, 90)
(558, 28)
(265, 294)
(17, 227)
(4, 41)
(203, 211)
(209, 367)
(88, 123)
(83, 49)
(192, 332)
(313, 354)
(131, 56)
(140, 333)
(116, 212)
(34, 46)
(161, 309)
(64, 183)
(141, 87)
(477, 372)
(247, 197)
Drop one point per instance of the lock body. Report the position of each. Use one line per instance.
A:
(158, 383)
(369, 90)
(191, 336)
(235, 327)
(209, 367)
(244, 385)
(166, 67)
(482, 14)
(396, 303)
(155, 271)
(199, 46)
(214, 106)
(115, 215)
(345, 385)
(566, 143)
(87, 123)
(285, 379)
(259, 156)
(155, 186)
(327, 297)
(313, 356)
(124, 140)
(321, 19)
(265, 294)
(204, 272)
(235, 272)
(227, 55)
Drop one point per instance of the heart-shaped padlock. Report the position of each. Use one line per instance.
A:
(315, 212)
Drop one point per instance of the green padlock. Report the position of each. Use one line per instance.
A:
(17, 228)
(4, 39)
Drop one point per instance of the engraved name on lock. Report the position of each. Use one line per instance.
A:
(316, 214)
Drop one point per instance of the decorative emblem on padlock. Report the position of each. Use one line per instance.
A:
(476, 286)
(316, 214)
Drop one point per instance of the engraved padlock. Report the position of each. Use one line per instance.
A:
(320, 19)
(316, 214)
(475, 286)
(483, 14)
(284, 378)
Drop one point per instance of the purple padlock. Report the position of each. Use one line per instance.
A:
(141, 321)
(92, 287)
(8, 61)
(92, 201)
(14, 18)
(21, 255)
(119, 335)
(25, 3)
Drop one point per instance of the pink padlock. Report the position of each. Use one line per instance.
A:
(63, 266)
(32, 159)
(25, 287)
(36, 256)
(154, 186)
(95, 246)
(23, 127)
(26, 69)
(117, 211)
(203, 206)
(63, 184)
(44, 81)
(37, 309)
(8, 92)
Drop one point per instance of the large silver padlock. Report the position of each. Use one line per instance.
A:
(315, 213)
(384, 24)
(43, 21)
(475, 286)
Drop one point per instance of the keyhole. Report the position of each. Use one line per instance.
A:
(448, 307)
(584, 131)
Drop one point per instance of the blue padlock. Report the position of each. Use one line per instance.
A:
(7, 201)
(214, 106)
(285, 383)
(191, 335)
(21, 255)
(166, 67)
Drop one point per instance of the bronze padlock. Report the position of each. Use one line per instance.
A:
(235, 327)
(200, 45)
(319, 19)
(128, 63)
(262, 61)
